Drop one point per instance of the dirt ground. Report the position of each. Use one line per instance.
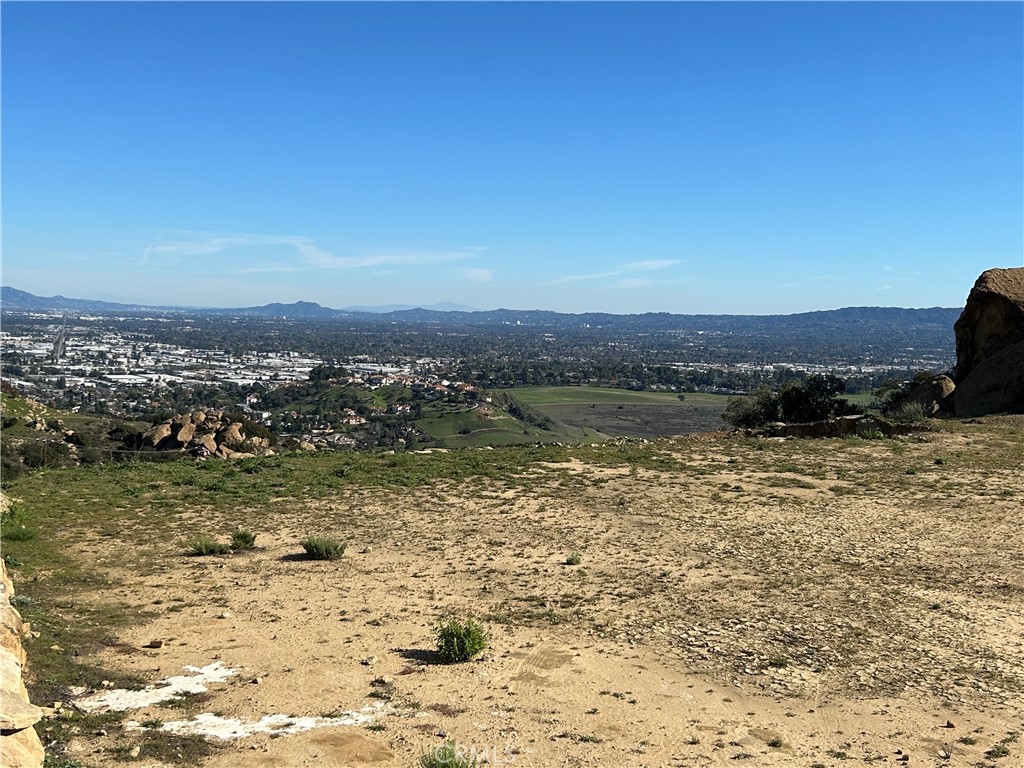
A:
(814, 603)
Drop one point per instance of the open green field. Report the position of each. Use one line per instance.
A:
(459, 427)
(606, 395)
(623, 412)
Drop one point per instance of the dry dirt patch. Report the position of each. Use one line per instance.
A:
(717, 612)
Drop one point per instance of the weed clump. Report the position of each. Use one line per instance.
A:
(323, 548)
(448, 755)
(574, 559)
(14, 525)
(203, 545)
(459, 640)
(242, 539)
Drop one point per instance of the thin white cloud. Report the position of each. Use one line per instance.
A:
(312, 256)
(207, 244)
(319, 258)
(622, 269)
(476, 275)
(648, 266)
(634, 283)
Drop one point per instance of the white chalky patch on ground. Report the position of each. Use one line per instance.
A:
(119, 699)
(227, 728)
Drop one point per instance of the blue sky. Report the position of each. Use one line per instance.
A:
(620, 157)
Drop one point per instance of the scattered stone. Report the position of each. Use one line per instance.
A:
(154, 644)
(369, 661)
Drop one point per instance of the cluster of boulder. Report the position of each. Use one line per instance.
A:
(206, 434)
(989, 372)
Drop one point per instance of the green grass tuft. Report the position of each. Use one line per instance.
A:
(203, 545)
(323, 548)
(448, 755)
(459, 640)
(242, 539)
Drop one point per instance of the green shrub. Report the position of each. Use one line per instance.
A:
(323, 547)
(574, 559)
(242, 538)
(459, 640)
(448, 755)
(14, 525)
(207, 545)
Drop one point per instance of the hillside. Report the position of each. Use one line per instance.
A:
(791, 603)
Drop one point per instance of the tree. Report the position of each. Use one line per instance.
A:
(756, 410)
(813, 400)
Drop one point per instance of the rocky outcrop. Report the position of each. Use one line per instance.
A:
(19, 744)
(996, 385)
(990, 346)
(206, 433)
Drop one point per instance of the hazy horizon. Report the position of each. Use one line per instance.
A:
(693, 158)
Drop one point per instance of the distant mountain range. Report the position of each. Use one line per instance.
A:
(12, 298)
(447, 313)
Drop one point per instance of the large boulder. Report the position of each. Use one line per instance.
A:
(156, 435)
(932, 395)
(991, 325)
(186, 432)
(996, 385)
(992, 320)
(231, 435)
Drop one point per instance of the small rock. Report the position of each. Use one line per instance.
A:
(383, 680)
(154, 644)
(134, 751)
(224, 615)
(369, 661)
(256, 680)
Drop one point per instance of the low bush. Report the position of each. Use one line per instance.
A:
(907, 413)
(242, 538)
(207, 545)
(14, 525)
(459, 640)
(323, 547)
